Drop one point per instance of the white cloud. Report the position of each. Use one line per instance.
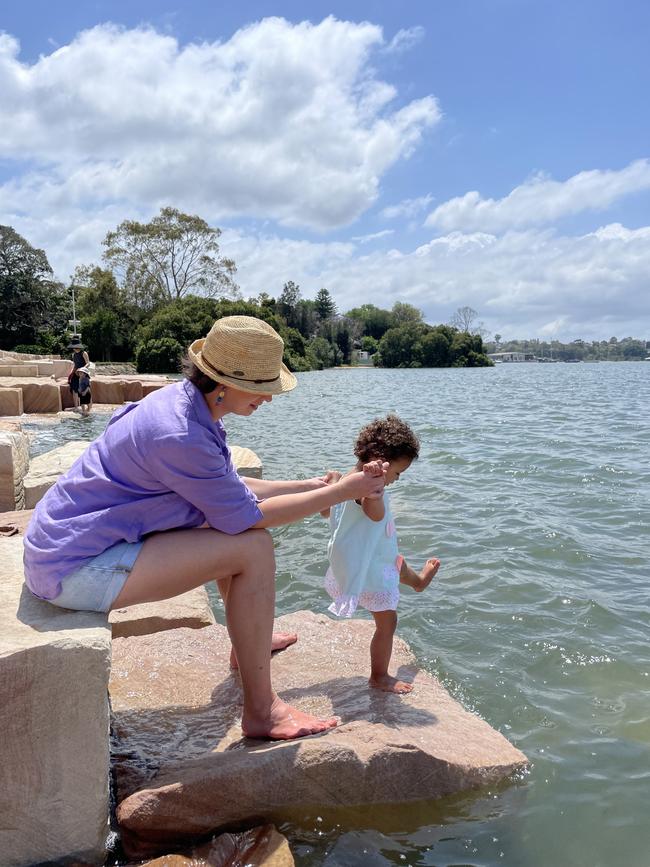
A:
(541, 200)
(407, 208)
(405, 39)
(374, 236)
(522, 283)
(282, 121)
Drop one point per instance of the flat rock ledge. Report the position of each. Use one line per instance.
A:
(54, 719)
(183, 769)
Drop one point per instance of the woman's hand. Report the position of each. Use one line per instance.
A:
(369, 482)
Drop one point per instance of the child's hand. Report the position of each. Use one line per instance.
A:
(375, 470)
(331, 477)
(363, 484)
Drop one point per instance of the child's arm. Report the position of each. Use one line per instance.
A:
(373, 508)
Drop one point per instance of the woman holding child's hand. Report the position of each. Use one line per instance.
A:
(155, 507)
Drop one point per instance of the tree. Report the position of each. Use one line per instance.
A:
(33, 306)
(374, 320)
(288, 303)
(324, 305)
(171, 256)
(464, 318)
(108, 318)
(403, 313)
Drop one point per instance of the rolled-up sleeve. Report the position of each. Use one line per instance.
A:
(200, 470)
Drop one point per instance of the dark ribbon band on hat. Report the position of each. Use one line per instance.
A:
(244, 378)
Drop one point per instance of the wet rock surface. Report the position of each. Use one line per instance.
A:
(258, 847)
(183, 768)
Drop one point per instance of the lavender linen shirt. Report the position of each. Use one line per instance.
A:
(161, 464)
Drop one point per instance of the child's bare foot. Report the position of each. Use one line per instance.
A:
(284, 722)
(279, 641)
(390, 684)
(428, 571)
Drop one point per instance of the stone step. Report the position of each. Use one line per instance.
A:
(45, 469)
(54, 719)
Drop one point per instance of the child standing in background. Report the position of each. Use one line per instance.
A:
(366, 567)
(83, 390)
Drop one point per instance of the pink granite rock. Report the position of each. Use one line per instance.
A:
(183, 768)
(258, 847)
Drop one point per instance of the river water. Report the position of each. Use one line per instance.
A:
(533, 488)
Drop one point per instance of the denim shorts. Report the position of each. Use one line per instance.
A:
(97, 584)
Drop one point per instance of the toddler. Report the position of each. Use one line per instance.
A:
(365, 565)
(84, 392)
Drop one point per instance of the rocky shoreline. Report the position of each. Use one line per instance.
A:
(157, 678)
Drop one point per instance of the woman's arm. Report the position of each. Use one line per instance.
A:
(266, 488)
(287, 508)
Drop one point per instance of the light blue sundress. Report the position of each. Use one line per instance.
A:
(364, 560)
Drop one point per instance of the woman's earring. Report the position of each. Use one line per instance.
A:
(221, 396)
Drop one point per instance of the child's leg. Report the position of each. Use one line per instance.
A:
(381, 648)
(418, 582)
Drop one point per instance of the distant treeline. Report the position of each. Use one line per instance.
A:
(627, 349)
(162, 285)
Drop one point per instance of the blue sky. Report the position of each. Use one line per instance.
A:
(442, 153)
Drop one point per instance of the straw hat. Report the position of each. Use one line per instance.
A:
(245, 353)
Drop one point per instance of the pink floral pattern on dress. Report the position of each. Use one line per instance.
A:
(372, 600)
(390, 528)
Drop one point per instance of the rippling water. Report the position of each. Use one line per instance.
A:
(533, 488)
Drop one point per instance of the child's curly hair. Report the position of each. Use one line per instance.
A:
(386, 439)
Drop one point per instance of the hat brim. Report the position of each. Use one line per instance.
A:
(286, 381)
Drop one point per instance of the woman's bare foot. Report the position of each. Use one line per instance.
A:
(390, 684)
(279, 641)
(284, 723)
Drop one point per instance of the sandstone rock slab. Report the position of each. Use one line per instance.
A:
(183, 768)
(14, 463)
(247, 462)
(45, 469)
(62, 367)
(24, 370)
(17, 518)
(191, 610)
(259, 847)
(39, 395)
(107, 389)
(11, 401)
(54, 719)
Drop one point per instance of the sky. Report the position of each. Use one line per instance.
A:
(444, 153)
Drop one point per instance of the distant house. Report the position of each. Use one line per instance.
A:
(506, 356)
(363, 357)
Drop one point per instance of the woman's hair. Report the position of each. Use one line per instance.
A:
(196, 376)
(386, 439)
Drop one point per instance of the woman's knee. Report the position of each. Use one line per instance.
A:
(259, 547)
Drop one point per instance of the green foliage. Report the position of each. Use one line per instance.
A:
(369, 344)
(375, 322)
(31, 302)
(30, 349)
(160, 355)
(108, 317)
(321, 353)
(324, 305)
(420, 345)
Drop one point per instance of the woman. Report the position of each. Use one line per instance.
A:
(154, 508)
(79, 359)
